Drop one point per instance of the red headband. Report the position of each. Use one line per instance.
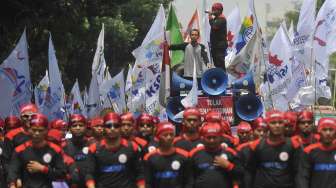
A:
(32, 108)
(244, 127)
(95, 122)
(213, 116)
(326, 123)
(39, 120)
(77, 118)
(58, 124)
(211, 129)
(305, 116)
(145, 118)
(191, 112)
(259, 122)
(111, 118)
(217, 6)
(128, 116)
(274, 115)
(165, 126)
(291, 119)
(12, 122)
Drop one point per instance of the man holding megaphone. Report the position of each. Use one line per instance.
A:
(218, 38)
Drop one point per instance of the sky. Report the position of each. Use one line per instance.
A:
(185, 8)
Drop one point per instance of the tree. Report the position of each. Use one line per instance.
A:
(75, 26)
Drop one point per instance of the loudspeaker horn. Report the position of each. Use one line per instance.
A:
(248, 107)
(179, 83)
(214, 81)
(246, 82)
(174, 107)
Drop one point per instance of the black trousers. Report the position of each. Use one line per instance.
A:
(218, 57)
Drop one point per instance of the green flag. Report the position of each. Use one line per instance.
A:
(173, 27)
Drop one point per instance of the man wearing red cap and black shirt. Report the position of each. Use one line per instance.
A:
(167, 166)
(191, 123)
(19, 135)
(306, 134)
(270, 161)
(128, 131)
(97, 126)
(37, 162)
(317, 166)
(114, 162)
(218, 34)
(290, 123)
(77, 146)
(259, 128)
(145, 126)
(244, 132)
(212, 164)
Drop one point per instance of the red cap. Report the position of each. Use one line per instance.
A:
(95, 122)
(243, 126)
(55, 135)
(259, 122)
(145, 119)
(111, 118)
(29, 108)
(39, 120)
(128, 116)
(326, 123)
(58, 124)
(191, 112)
(291, 118)
(211, 129)
(217, 6)
(156, 120)
(305, 116)
(12, 122)
(274, 115)
(77, 118)
(226, 126)
(165, 126)
(213, 116)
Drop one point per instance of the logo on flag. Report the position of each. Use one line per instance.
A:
(17, 80)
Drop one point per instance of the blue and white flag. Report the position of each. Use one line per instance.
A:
(93, 106)
(99, 63)
(114, 93)
(75, 99)
(42, 92)
(56, 103)
(15, 69)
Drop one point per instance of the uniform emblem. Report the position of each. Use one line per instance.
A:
(224, 156)
(175, 165)
(122, 158)
(334, 155)
(283, 156)
(85, 150)
(199, 145)
(47, 158)
(224, 145)
(0, 151)
(151, 148)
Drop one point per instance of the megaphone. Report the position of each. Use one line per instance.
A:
(248, 107)
(214, 81)
(174, 107)
(178, 83)
(245, 82)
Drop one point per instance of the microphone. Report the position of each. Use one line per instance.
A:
(208, 12)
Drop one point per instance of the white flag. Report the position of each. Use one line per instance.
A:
(77, 104)
(99, 64)
(233, 27)
(7, 89)
(93, 103)
(42, 91)
(191, 100)
(56, 103)
(16, 70)
(114, 91)
(205, 26)
(128, 84)
(291, 31)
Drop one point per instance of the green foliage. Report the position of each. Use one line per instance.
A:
(75, 26)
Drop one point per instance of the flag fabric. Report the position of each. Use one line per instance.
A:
(325, 28)
(279, 68)
(175, 36)
(246, 58)
(93, 101)
(205, 27)
(192, 24)
(136, 100)
(129, 82)
(164, 92)
(233, 27)
(7, 90)
(42, 92)
(15, 70)
(54, 106)
(291, 32)
(77, 104)
(99, 63)
(114, 91)
(191, 100)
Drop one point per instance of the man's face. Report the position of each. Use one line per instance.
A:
(244, 136)
(212, 142)
(191, 124)
(166, 139)
(78, 129)
(126, 129)
(276, 127)
(38, 133)
(327, 135)
(146, 129)
(306, 127)
(112, 130)
(26, 117)
(259, 132)
(194, 35)
(98, 130)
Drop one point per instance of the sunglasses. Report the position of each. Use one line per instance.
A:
(112, 125)
(145, 125)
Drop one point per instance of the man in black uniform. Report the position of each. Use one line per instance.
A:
(218, 34)
(114, 162)
(77, 147)
(317, 167)
(37, 160)
(270, 161)
(212, 164)
(167, 166)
